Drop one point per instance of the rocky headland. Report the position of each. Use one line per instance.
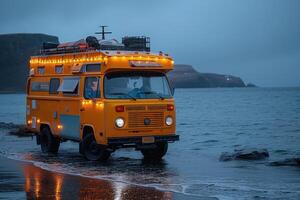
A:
(16, 49)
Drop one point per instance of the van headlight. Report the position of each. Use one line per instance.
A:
(169, 121)
(119, 122)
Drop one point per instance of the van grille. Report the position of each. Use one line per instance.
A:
(157, 107)
(131, 108)
(137, 119)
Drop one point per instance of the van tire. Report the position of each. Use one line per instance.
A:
(49, 143)
(92, 150)
(155, 153)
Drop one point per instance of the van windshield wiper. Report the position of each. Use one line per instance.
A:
(121, 93)
(155, 93)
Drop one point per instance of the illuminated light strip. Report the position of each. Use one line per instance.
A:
(145, 59)
(99, 59)
(144, 64)
(57, 61)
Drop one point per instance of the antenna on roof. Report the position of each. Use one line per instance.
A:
(103, 32)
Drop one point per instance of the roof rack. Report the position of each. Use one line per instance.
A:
(133, 43)
(63, 50)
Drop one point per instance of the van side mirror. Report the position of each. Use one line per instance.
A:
(173, 90)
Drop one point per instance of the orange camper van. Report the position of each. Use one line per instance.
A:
(102, 95)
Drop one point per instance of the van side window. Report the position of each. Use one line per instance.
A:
(69, 85)
(41, 70)
(39, 86)
(91, 87)
(92, 67)
(54, 84)
(59, 69)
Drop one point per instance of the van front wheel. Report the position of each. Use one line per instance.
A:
(49, 143)
(92, 150)
(155, 153)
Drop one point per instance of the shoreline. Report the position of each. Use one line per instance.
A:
(183, 88)
(12, 92)
(24, 180)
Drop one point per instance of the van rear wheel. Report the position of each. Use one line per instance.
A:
(156, 153)
(92, 150)
(49, 143)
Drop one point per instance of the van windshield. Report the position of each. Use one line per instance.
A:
(136, 85)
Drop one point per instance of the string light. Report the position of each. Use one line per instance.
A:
(99, 58)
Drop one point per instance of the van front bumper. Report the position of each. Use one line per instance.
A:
(137, 140)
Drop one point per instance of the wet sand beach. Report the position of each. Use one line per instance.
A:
(22, 180)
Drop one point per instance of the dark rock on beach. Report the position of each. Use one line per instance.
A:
(16, 129)
(4, 125)
(21, 131)
(251, 85)
(287, 162)
(245, 154)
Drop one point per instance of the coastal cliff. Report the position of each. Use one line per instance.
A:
(185, 76)
(15, 50)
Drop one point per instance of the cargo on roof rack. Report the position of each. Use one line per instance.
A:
(136, 43)
(68, 47)
(132, 43)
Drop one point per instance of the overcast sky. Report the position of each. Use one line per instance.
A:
(258, 40)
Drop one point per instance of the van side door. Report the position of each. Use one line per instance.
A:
(92, 107)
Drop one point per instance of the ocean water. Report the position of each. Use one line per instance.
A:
(209, 122)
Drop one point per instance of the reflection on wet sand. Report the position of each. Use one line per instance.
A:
(42, 184)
